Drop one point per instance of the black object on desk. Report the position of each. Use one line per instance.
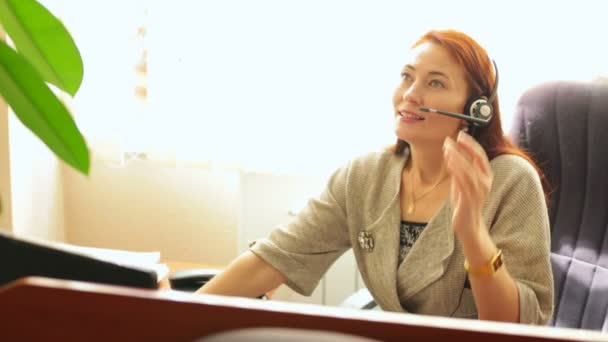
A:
(190, 280)
(22, 257)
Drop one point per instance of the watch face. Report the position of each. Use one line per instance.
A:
(487, 269)
(497, 263)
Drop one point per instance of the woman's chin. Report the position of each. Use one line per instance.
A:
(409, 136)
(421, 140)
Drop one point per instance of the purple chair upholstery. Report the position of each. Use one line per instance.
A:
(564, 124)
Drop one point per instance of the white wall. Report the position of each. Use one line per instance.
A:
(36, 187)
(192, 214)
(186, 213)
(5, 176)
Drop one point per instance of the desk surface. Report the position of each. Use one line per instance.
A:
(37, 308)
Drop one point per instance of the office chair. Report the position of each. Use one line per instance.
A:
(564, 125)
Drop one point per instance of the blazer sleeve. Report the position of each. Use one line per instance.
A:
(305, 248)
(521, 230)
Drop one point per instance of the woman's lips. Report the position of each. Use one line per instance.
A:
(410, 117)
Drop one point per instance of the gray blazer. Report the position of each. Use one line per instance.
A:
(364, 196)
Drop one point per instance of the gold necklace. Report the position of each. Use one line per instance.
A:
(412, 206)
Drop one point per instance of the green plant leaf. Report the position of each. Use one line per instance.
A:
(39, 109)
(44, 41)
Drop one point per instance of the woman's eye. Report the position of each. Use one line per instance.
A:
(436, 84)
(405, 76)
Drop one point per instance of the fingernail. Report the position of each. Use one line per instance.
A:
(447, 143)
(465, 135)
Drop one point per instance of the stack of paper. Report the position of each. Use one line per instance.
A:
(147, 261)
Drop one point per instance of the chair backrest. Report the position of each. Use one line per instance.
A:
(564, 125)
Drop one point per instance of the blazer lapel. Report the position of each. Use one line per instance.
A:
(381, 262)
(429, 256)
(426, 261)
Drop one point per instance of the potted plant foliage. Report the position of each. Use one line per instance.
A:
(44, 53)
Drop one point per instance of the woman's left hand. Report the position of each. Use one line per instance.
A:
(471, 175)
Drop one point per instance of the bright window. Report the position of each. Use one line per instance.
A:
(296, 85)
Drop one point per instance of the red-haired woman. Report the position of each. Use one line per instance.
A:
(441, 223)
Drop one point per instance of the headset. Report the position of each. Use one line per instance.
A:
(478, 110)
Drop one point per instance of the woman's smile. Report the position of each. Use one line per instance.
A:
(410, 117)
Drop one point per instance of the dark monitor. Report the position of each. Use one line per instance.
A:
(24, 257)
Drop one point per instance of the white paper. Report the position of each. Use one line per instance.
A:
(145, 260)
(148, 261)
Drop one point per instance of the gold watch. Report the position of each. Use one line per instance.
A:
(488, 269)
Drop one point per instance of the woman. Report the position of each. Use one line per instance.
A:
(440, 224)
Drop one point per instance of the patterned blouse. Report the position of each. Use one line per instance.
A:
(409, 233)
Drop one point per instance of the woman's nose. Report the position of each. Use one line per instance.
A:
(412, 94)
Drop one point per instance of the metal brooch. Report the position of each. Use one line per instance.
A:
(366, 241)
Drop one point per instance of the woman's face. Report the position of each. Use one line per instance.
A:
(431, 78)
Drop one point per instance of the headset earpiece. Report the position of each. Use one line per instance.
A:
(481, 107)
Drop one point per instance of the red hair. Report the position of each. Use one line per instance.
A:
(481, 80)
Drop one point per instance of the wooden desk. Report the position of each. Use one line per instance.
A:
(34, 309)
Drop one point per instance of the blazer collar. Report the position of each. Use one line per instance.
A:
(381, 263)
(426, 261)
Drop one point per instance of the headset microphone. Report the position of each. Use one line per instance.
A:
(479, 109)
(481, 122)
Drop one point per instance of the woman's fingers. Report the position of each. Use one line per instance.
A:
(460, 169)
(460, 189)
(467, 164)
(475, 152)
(480, 159)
